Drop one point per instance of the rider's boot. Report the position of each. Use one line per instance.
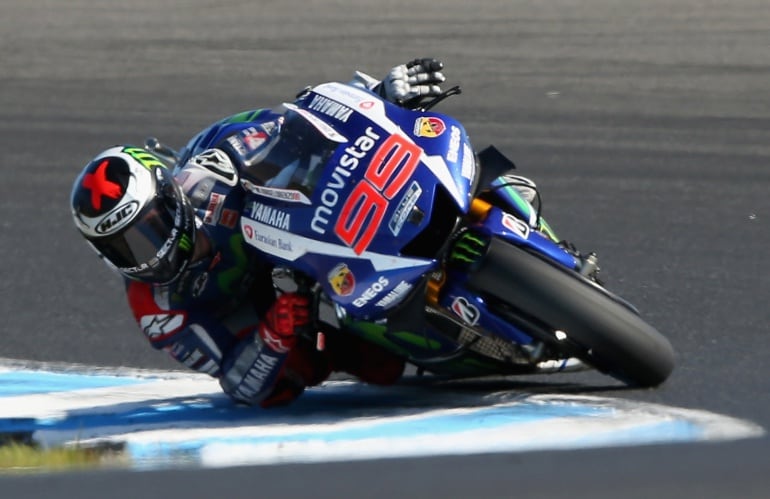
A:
(368, 362)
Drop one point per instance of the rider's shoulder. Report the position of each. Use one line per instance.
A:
(208, 166)
(216, 133)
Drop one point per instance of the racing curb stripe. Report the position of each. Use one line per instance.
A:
(173, 419)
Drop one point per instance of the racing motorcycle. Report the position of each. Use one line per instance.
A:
(406, 236)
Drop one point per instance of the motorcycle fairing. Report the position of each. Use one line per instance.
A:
(504, 225)
(216, 133)
(472, 309)
(392, 165)
(376, 274)
(394, 120)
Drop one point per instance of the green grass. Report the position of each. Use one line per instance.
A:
(21, 457)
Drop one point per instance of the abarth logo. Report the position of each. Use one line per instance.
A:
(429, 126)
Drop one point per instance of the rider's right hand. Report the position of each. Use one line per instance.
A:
(409, 83)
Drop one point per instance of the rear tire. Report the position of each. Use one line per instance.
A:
(599, 329)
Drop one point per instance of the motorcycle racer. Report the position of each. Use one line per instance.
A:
(194, 289)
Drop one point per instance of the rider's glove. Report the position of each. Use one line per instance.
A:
(257, 366)
(305, 366)
(407, 84)
(287, 318)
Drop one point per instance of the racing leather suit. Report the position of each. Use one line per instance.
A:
(215, 318)
(209, 318)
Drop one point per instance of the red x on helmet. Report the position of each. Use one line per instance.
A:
(129, 208)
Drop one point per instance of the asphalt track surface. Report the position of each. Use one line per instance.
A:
(646, 125)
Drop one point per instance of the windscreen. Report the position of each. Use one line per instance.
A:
(295, 159)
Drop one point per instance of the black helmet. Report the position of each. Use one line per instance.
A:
(130, 209)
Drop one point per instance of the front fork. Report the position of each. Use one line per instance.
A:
(477, 214)
(447, 295)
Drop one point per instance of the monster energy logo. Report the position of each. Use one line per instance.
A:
(147, 159)
(468, 249)
(185, 243)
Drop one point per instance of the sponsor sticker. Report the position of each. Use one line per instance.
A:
(389, 170)
(214, 208)
(117, 218)
(405, 207)
(273, 340)
(371, 292)
(270, 216)
(218, 163)
(326, 130)
(515, 225)
(342, 280)
(454, 144)
(429, 126)
(229, 218)
(468, 162)
(349, 161)
(345, 94)
(238, 145)
(288, 195)
(466, 311)
(254, 138)
(261, 236)
(157, 325)
(200, 284)
(330, 108)
(395, 295)
(146, 158)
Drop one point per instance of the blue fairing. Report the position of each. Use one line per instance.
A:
(216, 133)
(368, 178)
(500, 223)
(446, 156)
(354, 199)
(473, 310)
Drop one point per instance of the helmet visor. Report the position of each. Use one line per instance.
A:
(152, 248)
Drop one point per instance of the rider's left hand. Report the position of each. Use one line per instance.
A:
(288, 317)
(408, 83)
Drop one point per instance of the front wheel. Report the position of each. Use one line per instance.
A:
(579, 318)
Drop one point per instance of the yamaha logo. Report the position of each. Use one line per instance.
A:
(118, 217)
